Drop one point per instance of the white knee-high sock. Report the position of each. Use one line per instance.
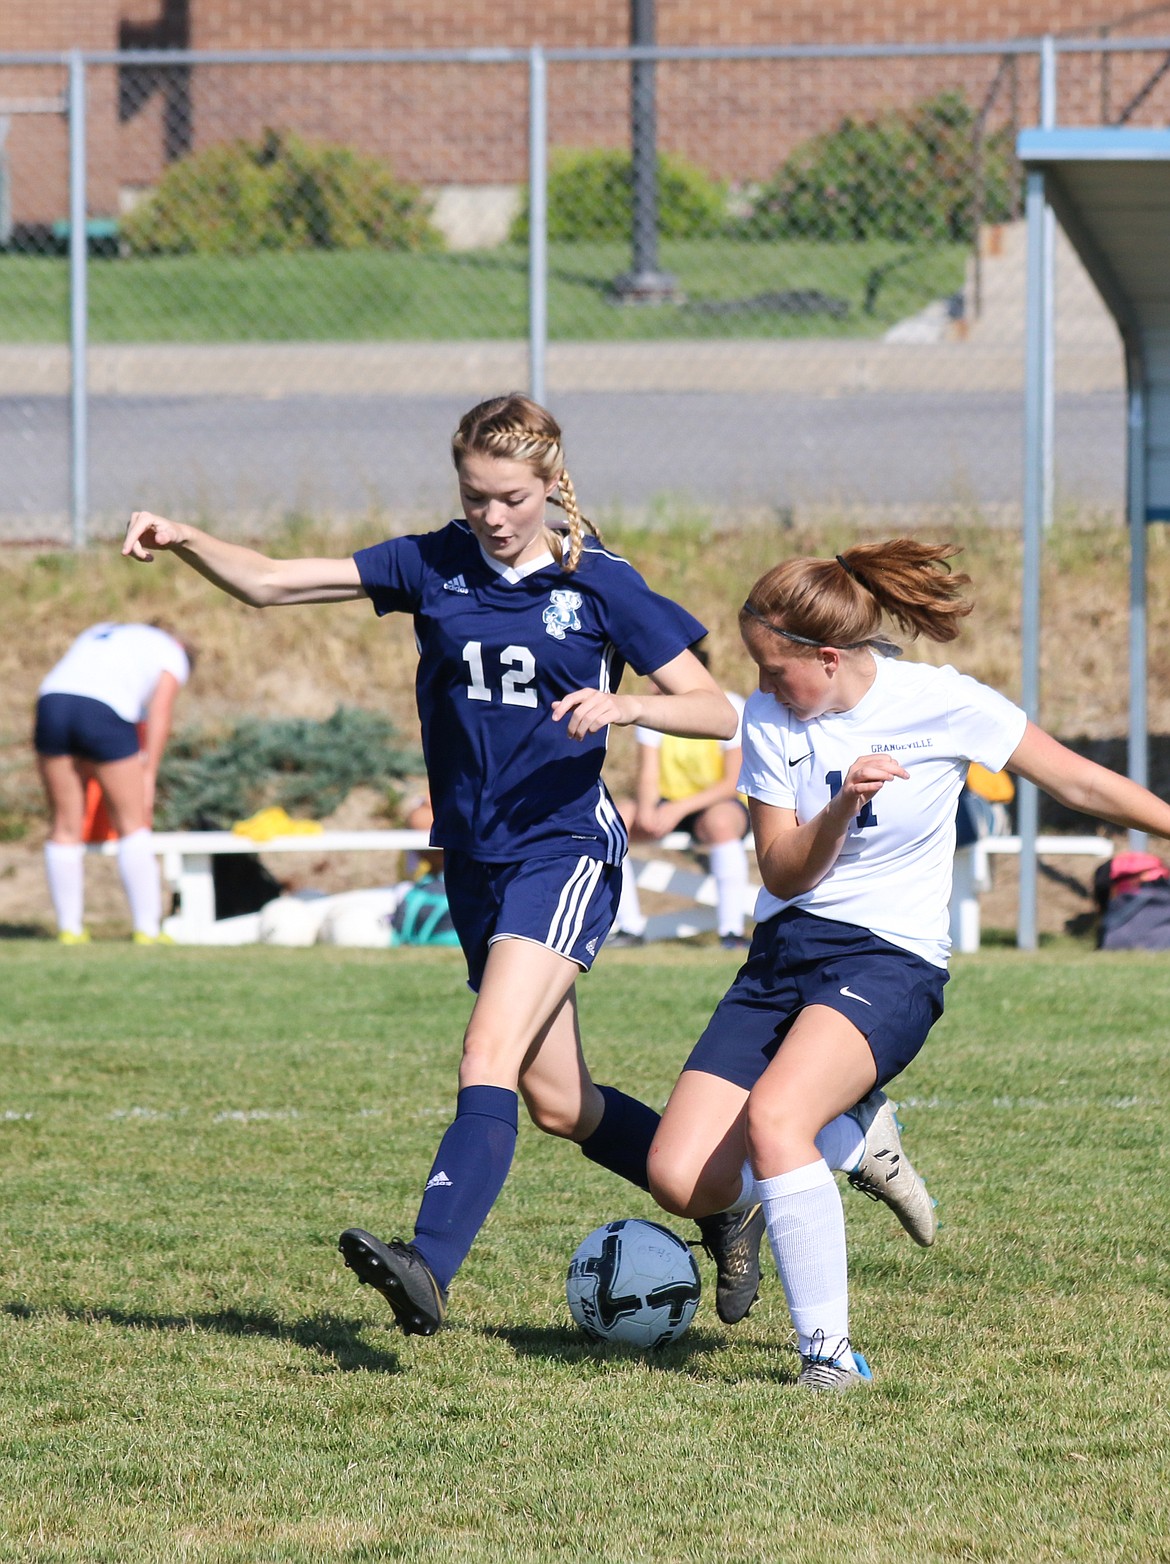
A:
(629, 913)
(65, 871)
(841, 1143)
(729, 866)
(748, 1194)
(806, 1228)
(139, 870)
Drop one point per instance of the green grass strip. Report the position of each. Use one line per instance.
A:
(189, 1372)
(734, 289)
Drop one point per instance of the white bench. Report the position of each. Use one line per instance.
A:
(972, 875)
(661, 876)
(186, 867)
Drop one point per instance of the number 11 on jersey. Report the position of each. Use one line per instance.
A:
(866, 816)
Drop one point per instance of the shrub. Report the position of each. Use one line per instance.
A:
(590, 196)
(280, 193)
(207, 783)
(907, 176)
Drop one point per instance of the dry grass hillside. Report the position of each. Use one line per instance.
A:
(306, 661)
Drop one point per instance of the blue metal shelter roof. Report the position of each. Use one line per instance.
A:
(1110, 190)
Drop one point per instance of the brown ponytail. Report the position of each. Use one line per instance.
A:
(841, 602)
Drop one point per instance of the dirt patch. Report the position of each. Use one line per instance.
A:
(307, 661)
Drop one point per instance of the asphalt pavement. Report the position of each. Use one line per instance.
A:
(243, 460)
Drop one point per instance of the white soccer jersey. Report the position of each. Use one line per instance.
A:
(893, 875)
(119, 665)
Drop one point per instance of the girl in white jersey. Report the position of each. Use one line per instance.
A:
(113, 680)
(523, 633)
(853, 764)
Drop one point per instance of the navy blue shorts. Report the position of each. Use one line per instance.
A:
(568, 904)
(892, 996)
(80, 726)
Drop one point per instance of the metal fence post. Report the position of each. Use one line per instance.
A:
(1048, 122)
(78, 302)
(537, 222)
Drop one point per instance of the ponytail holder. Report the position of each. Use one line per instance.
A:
(849, 571)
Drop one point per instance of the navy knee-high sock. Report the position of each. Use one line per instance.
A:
(468, 1173)
(621, 1142)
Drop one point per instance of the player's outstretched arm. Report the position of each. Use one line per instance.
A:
(1082, 784)
(691, 704)
(243, 572)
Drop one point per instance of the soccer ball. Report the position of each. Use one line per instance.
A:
(633, 1281)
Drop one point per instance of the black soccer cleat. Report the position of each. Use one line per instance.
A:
(401, 1275)
(732, 1239)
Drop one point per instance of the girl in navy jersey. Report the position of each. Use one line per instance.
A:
(853, 764)
(523, 635)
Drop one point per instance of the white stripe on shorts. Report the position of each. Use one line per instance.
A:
(565, 929)
(612, 824)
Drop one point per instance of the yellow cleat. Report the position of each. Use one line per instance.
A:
(139, 938)
(67, 937)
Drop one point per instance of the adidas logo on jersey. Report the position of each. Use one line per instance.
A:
(456, 584)
(439, 1180)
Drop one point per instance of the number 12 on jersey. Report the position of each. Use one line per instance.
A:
(866, 815)
(517, 674)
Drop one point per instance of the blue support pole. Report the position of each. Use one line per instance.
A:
(1136, 451)
(1035, 375)
(1038, 449)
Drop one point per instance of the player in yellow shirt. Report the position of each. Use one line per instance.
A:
(689, 785)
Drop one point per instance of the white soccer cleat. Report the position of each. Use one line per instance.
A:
(885, 1172)
(847, 1370)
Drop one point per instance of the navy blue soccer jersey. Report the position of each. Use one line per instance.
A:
(496, 647)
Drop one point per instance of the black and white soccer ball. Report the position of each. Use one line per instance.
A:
(633, 1281)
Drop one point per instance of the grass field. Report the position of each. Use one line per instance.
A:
(370, 295)
(191, 1374)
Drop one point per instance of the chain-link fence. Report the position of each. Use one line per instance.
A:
(299, 269)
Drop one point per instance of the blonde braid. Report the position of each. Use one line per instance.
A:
(565, 495)
(518, 428)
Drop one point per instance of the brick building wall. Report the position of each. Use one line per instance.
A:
(446, 124)
(36, 143)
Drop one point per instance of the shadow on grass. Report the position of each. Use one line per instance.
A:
(23, 931)
(565, 1344)
(328, 1335)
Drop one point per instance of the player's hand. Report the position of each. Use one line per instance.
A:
(145, 532)
(865, 778)
(661, 820)
(589, 711)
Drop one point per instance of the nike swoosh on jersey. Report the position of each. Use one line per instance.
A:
(799, 758)
(849, 994)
